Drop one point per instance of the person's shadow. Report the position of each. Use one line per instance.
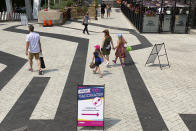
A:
(50, 70)
(105, 73)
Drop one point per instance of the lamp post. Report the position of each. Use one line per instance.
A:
(173, 17)
(188, 21)
(161, 17)
(48, 4)
(45, 6)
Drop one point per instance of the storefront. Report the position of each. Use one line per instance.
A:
(158, 16)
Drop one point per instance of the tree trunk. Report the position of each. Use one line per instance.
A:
(48, 4)
(9, 8)
(28, 9)
(36, 8)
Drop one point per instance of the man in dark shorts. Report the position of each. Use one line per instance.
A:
(33, 48)
(103, 6)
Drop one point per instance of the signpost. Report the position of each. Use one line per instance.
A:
(90, 105)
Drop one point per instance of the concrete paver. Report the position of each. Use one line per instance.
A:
(172, 89)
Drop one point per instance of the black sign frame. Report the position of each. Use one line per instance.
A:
(155, 47)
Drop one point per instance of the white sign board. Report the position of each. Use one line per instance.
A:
(24, 20)
(90, 106)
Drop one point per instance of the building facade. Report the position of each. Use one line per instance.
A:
(193, 11)
(31, 7)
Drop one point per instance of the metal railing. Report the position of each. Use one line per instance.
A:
(4, 16)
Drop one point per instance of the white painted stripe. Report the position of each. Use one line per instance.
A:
(2, 67)
(12, 91)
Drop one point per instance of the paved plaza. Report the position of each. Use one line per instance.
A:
(137, 97)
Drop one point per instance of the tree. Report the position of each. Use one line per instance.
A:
(28, 9)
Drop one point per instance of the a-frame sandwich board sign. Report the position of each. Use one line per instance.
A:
(155, 53)
(90, 105)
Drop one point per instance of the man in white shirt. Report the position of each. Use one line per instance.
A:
(33, 48)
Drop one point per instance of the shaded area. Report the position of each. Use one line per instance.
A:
(13, 63)
(108, 123)
(189, 120)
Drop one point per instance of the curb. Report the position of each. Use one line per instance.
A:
(193, 31)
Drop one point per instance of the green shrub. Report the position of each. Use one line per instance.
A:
(79, 9)
(96, 3)
(63, 4)
(84, 9)
(69, 3)
(59, 5)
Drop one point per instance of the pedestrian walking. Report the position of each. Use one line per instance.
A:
(106, 45)
(103, 6)
(109, 8)
(85, 23)
(33, 48)
(120, 50)
(97, 60)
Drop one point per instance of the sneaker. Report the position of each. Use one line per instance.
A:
(114, 61)
(101, 76)
(31, 69)
(41, 72)
(123, 65)
(94, 72)
(107, 63)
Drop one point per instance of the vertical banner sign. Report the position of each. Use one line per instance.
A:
(36, 8)
(90, 105)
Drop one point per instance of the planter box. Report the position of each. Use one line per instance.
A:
(151, 24)
(55, 15)
(180, 23)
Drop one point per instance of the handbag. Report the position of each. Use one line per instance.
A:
(41, 58)
(108, 47)
(92, 65)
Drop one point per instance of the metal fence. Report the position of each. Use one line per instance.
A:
(158, 18)
(4, 16)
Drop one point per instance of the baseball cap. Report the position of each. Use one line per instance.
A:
(97, 46)
(120, 35)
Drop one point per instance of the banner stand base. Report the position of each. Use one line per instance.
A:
(90, 128)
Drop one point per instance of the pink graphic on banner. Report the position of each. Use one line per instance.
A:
(97, 101)
(90, 123)
(92, 114)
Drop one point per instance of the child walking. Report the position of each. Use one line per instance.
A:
(97, 60)
(120, 50)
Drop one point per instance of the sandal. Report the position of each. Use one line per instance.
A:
(30, 69)
(94, 72)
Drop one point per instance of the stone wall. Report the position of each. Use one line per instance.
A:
(55, 15)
